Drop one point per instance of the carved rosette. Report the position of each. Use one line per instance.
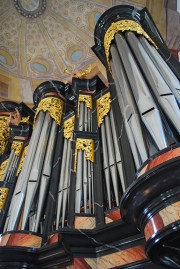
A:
(122, 25)
(88, 146)
(17, 146)
(22, 160)
(85, 98)
(103, 105)
(69, 128)
(53, 105)
(3, 196)
(4, 132)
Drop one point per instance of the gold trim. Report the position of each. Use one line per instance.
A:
(85, 98)
(17, 146)
(122, 25)
(88, 146)
(22, 160)
(25, 119)
(103, 105)
(3, 196)
(79, 73)
(2, 168)
(4, 132)
(53, 105)
(69, 127)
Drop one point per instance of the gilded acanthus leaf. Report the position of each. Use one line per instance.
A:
(103, 105)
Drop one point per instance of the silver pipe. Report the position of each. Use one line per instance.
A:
(8, 166)
(112, 163)
(81, 116)
(117, 151)
(21, 185)
(13, 169)
(128, 109)
(89, 186)
(89, 119)
(160, 88)
(35, 173)
(148, 110)
(66, 180)
(163, 68)
(85, 182)
(105, 163)
(61, 184)
(92, 182)
(79, 175)
(45, 177)
(85, 118)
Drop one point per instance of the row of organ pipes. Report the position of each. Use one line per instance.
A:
(148, 97)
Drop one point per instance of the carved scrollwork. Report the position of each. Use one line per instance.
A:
(3, 196)
(85, 98)
(88, 146)
(69, 127)
(122, 25)
(2, 168)
(4, 132)
(53, 105)
(25, 119)
(17, 146)
(103, 105)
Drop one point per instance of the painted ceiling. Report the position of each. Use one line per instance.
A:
(40, 39)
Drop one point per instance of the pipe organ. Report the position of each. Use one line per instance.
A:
(89, 178)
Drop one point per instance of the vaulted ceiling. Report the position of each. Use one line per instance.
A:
(40, 39)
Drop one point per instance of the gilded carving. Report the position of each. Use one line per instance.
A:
(53, 105)
(88, 146)
(4, 132)
(85, 98)
(25, 119)
(103, 105)
(17, 147)
(2, 168)
(122, 25)
(79, 73)
(3, 196)
(22, 160)
(69, 127)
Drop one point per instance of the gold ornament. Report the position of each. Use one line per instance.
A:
(25, 119)
(85, 98)
(88, 146)
(79, 73)
(22, 160)
(2, 168)
(69, 128)
(17, 146)
(4, 132)
(122, 25)
(3, 196)
(103, 105)
(53, 105)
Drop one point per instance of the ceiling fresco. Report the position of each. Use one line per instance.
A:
(39, 39)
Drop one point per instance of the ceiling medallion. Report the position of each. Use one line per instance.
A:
(30, 8)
